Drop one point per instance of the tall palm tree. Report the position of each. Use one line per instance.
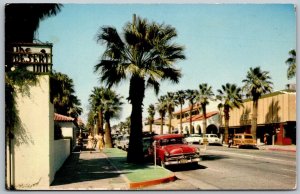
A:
(231, 97)
(257, 83)
(151, 113)
(161, 108)
(170, 104)
(205, 95)
(111, 109)
(191, 97)
(180, 97)
(145, 55)
(291, 62)
(96, 101)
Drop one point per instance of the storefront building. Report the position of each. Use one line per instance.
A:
(276, 118)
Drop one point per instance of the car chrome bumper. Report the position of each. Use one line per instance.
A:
(182, 161)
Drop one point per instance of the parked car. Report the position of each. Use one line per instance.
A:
(116, 141)
(194, 138)
(243, 139)
(124, 142)
(171, 150)
(213, 139)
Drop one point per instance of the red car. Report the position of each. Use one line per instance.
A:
(172, 149)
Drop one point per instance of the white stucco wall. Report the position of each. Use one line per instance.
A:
(32, 143)
(68, 129)
(61, 151)
(214, 120)
(35, 155)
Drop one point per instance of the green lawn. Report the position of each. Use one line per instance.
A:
(135, 173)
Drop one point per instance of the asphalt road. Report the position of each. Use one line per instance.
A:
(223, 168)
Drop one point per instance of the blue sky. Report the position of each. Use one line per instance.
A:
(222, 41)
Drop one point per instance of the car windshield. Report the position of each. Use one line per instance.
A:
(248, 136)
(171, 141)
(213, 136)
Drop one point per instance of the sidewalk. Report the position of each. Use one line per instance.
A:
(107, 170)
(287, 148)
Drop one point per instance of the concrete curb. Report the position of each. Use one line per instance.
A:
(136, 185)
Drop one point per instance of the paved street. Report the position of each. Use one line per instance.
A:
(225, 168)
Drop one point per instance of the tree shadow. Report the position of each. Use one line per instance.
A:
(76, 170)
(245, 117)
(272, 115)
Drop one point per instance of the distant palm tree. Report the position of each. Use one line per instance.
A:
(257, 83)
(291, 62)
(146, 55)
(63, 95)
(231, 97)
(111, 109)
(205, 95)
(180, 97)
(96, 101)
(191, 97)
(170, 104)
(161, 108)
(151, 113)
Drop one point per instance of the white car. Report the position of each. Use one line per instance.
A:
(124, 142)
(194, 138)
(213, 139)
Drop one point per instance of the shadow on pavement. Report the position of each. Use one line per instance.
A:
(212, 157)
(185, 167)
(76, 170)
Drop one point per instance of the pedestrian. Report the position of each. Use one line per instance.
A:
(100, 143)
(230, 140)
(90, 142)
(265, 139)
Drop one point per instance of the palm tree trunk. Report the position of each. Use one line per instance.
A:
(191, 118)
(151, 120)
(226, 115)
(100, 122)
(107, 136)
(254, 119)
(136, 95)
(161, 125)
(181, 129)
(204, 123)
(170, 126)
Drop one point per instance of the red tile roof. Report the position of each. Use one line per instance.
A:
(196, 106)
(62, 118)
(200, 117)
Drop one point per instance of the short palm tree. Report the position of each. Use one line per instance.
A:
(205, 95)
(161, 108)
(180, 97)
(191, 97)
(145, 55)
(171, 104)
(231, 97)
(151, 113)
(257, 83)
(111, 109)
(291, 62)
